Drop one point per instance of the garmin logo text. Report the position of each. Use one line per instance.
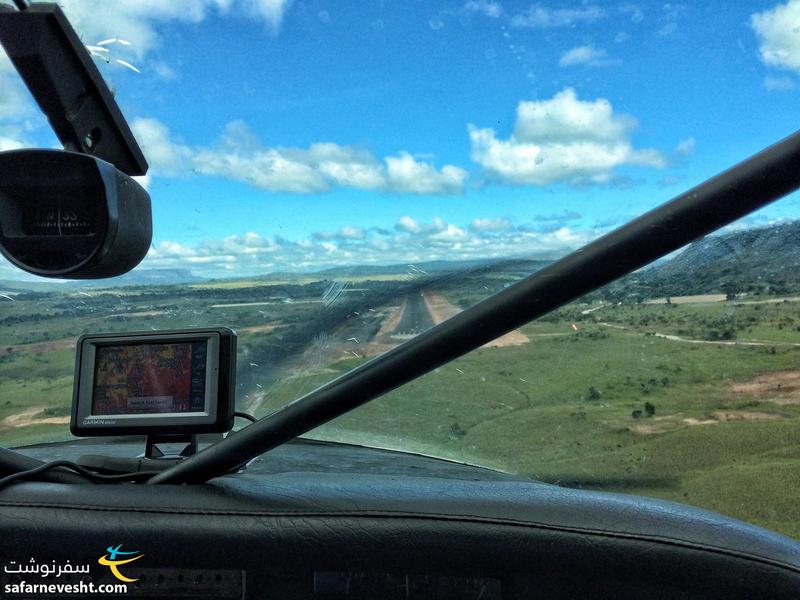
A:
(99, 421)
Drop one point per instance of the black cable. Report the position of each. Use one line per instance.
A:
(244, 415)
(86, 473)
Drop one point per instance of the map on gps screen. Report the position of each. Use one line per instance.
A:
(149, 378)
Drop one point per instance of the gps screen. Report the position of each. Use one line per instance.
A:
(135, 379)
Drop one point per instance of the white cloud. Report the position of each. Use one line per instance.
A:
(137, 21)
(435, 23)
(685, 147)
(636, 13)
(347, 166)
(352, 233)
(671, 13)
(344, 233)
(586, 55)
(408, 225)
(562, 139)
(669, 180)
(273, 169)
(450, 233)
(542, 17)
(667, 29)
(779, 84)
(163, 154)
(406, 174)
(484, 7)
(240, 156)
(144, 180)
(163, 70)
(566, 118)
(411, 241)
(8, 143)
(270, 11)
(489, 225)
(778, 31)
(15, 101)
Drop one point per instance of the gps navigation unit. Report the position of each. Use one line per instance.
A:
(155, 382)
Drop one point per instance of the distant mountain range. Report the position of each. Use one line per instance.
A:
(135, 277)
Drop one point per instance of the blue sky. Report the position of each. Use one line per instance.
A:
(294, 135)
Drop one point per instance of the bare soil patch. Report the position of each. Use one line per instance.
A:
(744, 415)
(649, 428)
(653, 425)
(671, 422)
(691, 421)
(143, 313)
(28, 417)
(778, 387)
(258, 328)
(67, 343)
(700, 298)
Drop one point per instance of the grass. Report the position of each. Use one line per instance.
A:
(559, 408)
(527, 410)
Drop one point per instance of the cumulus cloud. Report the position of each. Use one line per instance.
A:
(9, 143)
(270, 11)
(778, 32)
(240, 156)
(154, 137)
(344, 233)
(410, 241)
(586, 55)
(543, 17)
(780, 84)
(563, 139)
(685, 147)
(15, 101)
(671, 14)
(137, 21)
(551, 222)
(408, 224)
(406, 174)
(669, 180)
(484, 7)
(489, 225)
(634, 11)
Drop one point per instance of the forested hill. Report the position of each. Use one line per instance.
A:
(765, 259)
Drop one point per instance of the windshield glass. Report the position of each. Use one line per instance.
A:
(331, 179)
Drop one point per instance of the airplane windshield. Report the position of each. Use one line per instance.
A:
(332, 179)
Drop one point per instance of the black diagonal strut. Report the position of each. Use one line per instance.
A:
(759, 180)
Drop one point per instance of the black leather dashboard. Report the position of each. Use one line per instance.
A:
(283, 530)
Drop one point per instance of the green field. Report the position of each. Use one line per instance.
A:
(597, 399)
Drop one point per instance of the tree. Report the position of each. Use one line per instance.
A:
(731, 289)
